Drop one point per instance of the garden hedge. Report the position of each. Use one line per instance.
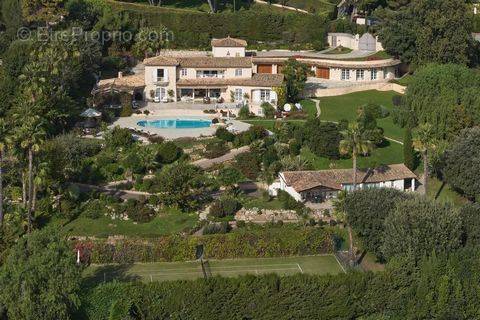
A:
(192, 29)
(242, 243)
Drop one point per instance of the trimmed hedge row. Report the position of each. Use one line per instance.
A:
(248, 297)
(195, 29)
(243, 243)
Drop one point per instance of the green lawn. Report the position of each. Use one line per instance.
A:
(345, 107)
(444, 193)
(170, 222)
(314, 6)
(164, 271)
(261, 203)
(392, 153)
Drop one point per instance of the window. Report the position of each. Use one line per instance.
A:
(160, 74)
(360, 74)
(373, 74)
(183, 72)
(238, 94)
(210, 74)
(345, 74)
(264, 95)
(384, 73)
(238, 72)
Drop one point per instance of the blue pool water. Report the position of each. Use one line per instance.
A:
(176, 123)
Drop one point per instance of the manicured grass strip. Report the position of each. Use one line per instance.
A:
(167, 271)
(391, 153)
(345, 107)
(166, 223)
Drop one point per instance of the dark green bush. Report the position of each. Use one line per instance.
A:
(226, 206)
(268, 110)
(215, 149)
(168, 152)
(216, 228)
(223, 134)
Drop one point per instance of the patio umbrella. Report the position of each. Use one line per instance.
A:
(91, 113)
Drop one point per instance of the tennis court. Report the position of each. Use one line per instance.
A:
(162, 271)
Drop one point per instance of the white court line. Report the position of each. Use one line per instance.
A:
(231, 267)
(162, 274)
(343, 269)
(299, 268)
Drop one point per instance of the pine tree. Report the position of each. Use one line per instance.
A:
(408, 152)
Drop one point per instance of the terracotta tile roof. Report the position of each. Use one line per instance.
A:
(125, 83)
(334, 179)
(228, 42)
(200, 62)
(331, 63)
(257, 80)
(161, 61)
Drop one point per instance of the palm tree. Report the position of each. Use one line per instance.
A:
(30, 135)
(3, 140)
(423, 142)
(354, 144)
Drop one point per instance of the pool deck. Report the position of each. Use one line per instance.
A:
(170, 134)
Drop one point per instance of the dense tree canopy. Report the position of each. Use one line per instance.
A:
(419, 227)
(40, 279)
(426, 31)
(323, 138)
(296, 74)
(462, 163)
(366, 211)
(446, 96)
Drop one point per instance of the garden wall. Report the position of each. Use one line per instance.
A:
(242, 243)
(382, 86)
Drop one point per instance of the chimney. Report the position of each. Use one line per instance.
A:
(120, 74)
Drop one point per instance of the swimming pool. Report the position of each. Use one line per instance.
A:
(175, 123)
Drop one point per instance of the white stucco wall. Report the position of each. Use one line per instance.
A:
(228, 52)
(151, 84)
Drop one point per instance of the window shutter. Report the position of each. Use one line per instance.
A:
(256, 96)
(165, 74)
(154, 75)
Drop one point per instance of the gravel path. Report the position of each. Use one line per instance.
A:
(207, 163)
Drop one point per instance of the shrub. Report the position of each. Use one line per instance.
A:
(168, 152)
(248, 164)
(397, 100)
(223, 134)
(216, 228)
(156, 139)
(127, 110)
(215, 149)
(244, 112)
(343, 124)
(118, 138)
(139, 211)
(223, 207)
(323, 138)
(288, 202)
(268, 110)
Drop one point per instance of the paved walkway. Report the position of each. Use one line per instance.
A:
(123, 194)
(207, 163)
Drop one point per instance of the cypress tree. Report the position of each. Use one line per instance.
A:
(408, 152)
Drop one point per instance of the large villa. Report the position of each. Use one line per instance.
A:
(231, 74)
